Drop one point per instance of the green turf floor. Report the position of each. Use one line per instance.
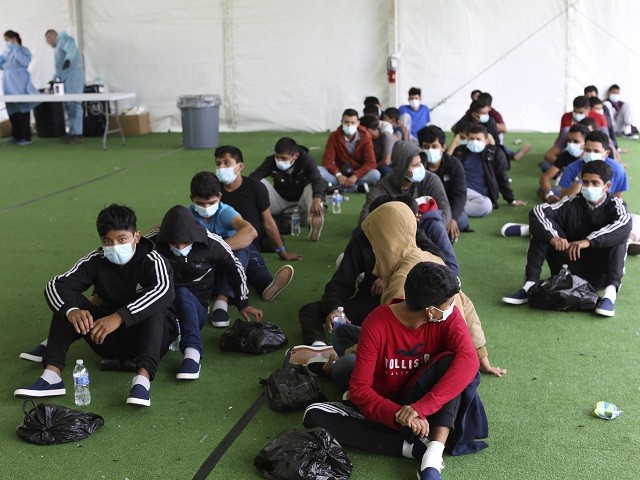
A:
(559, 365)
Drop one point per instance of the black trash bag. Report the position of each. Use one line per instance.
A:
(292, 387)
(312, 454)
(48, 424)
(252, 337)
(564, 292)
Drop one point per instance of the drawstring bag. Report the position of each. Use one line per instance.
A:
(291, 387)
(312, 454)
(564, 292)
(49, 424)
(252, 337)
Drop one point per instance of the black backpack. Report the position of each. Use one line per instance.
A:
(292, 387)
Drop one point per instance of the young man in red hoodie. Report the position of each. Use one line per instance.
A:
(415, 366)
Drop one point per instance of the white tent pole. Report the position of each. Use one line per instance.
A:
(569, 53)
(229, 87)
(392, 35)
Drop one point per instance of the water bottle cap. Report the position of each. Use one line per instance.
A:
(341, 309)
(564, 265)
(79, 362)
(335, 192)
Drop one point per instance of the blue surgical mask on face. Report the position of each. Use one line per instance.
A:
(574, 149)
(418, 174)
(181, 251)
(226, 175)
(483, 118)
(119, 254)
(614, 97)
(591, 156)
(433, 155)
(445, 313)
(476, 146)
(207, 212)
(463, 141)
(578, 117)
(591, 194)
(283, 165)
(349, 130)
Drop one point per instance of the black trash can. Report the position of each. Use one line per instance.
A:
(49, 119)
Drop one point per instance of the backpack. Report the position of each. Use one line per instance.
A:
(291, 387)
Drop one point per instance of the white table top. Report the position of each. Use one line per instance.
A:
(68, 97)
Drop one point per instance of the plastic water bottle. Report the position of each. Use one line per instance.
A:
(564, 271)
(81, 384)
(175, 345)
(295, 222)
(336, 202)
(339, 319)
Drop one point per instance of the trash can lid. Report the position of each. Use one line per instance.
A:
(199, 101)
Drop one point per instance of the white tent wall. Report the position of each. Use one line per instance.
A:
(297, 64)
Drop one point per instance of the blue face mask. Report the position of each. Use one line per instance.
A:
(418, 174)
(483, 118)
(349, 130)
(283, 165)
(476, 146)
(591, 194)
(226, 175)
(119, 254)
(574, 149)
(591, 156)
(207, 212)
(184, 251)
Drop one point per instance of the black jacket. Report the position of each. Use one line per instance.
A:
(495, 165)
(451, 172)
(140, 288)
(359, 258)
(197, 270)
(290, 184)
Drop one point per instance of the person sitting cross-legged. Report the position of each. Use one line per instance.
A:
(414, 380)
(133, 283)
(587, 232)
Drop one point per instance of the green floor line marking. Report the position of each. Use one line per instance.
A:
(88, 182)
(210, 463)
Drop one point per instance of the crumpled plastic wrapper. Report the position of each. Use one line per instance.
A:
(606, 410)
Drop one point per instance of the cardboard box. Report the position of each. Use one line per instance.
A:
(132, 125)
(5, 128)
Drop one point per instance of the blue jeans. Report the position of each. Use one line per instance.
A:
(192, 316)
(371, 177)
(342, 338)
(223, 286)
(463, 221)
(258, 275)
(434, 229)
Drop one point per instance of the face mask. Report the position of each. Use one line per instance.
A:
(418, 173)
(119, 254)
(226, 175)
(433, 155)
(415, 104)
(578, 117)
(476, 146)
(483, 118)
(574, 149)
(591, 156)
(209, 211)
(445, 314)
(591, 194)
(601, 112)
(283, 165)
(463, 141)
(184, 252)
(614, 97)
(349, 130)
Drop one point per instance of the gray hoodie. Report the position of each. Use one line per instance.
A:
(401, 156)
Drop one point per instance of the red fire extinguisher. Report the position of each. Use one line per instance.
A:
(392, 68)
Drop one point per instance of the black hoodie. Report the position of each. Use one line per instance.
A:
(196, 271)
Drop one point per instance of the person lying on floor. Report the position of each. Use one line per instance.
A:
(134, 286)
(413, 387)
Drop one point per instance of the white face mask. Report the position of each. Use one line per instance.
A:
(414, 103)
(209, 211)
(283, 165)
(119, 254)
(574, 149)
(483, 118)
(445, 313)
(463, 141)
(614, 97)
(226, 175)
(578, 117)
(434, 155)
(349, 130)
(184, 251)
(476, 146)
(591, 156)
(418, 174)
(591, 194)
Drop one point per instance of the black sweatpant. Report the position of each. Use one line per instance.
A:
(145, 343)
(351, 429)
(599, 266)
(312, 316)
(21, 125)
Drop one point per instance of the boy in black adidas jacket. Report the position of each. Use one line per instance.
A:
(133, 285)
(587, 232)
(195, 255)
